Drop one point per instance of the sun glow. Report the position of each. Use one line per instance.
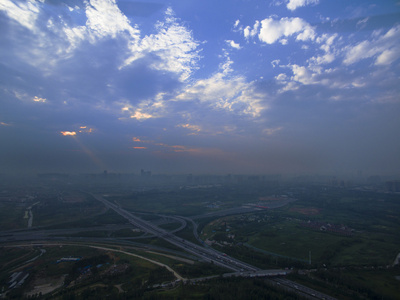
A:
(66, 133)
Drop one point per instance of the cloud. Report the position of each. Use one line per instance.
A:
(59, 35)
(275, 62)
(173, 45)
(139, 115)
(221, 91)
(385, 48)
(104, 19)
(86, 129)
(68, 133)
(25, 13)
(38, 99)
(190, 127)
(250, 32)
(272, 131)
(227, 92)
(163, 148)
(233, 44)
(294, 4)
(330, 52)
(273, 30)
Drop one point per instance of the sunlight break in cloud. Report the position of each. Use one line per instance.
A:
(38, 99)
(138, 115)
(68, 133)
(190, 127)
(85, 129)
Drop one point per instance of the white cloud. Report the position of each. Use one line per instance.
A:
(56, 36)
(272, 131)
(221, 91)
(105, 19)
(388, 56)
(384, 48)
(250, 32)
(328, 48)
(25, 13)
(362, 23)
(233, 44)
(275, 62)
(304, 75)
(225, 91)
(191, 127)
(139, 115)
(273, 30)
(38, 99)
(146, 109)
(281, 77)
(173, 44)
(294, 4)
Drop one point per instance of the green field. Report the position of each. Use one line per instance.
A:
(363, 247)
(371, 222)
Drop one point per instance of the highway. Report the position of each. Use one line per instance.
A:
(211, 255)
(302, 290)
(207, 254)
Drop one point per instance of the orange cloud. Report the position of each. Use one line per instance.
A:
(38, 99)
(138, 115)
(65, 133)
(163, 148)
(86, 129)
(4, 124)
(178, 147)
(190, 127)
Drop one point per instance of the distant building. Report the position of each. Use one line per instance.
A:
(393, 186)
(145, 173)
(53, 176)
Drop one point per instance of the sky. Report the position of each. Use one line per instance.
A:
(202, 87)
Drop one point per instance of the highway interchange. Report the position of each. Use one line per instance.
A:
(214, 256)
(207, 254)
